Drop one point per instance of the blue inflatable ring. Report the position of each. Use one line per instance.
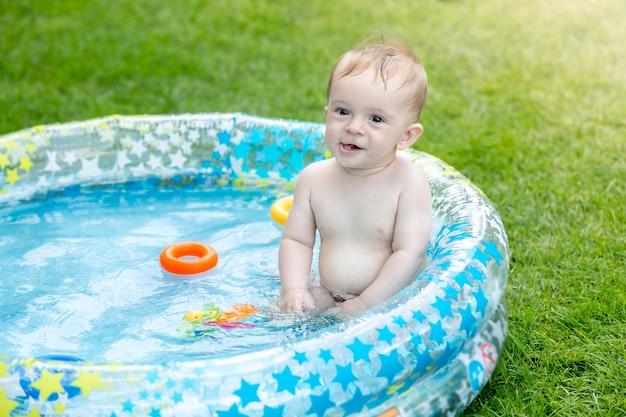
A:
(428, 351)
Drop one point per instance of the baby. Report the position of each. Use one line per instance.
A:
(372, 209)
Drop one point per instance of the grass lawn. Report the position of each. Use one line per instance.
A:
(528, 99)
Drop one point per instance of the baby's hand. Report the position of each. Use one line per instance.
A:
(298, 301)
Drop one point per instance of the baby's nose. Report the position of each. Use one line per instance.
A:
(355, 126)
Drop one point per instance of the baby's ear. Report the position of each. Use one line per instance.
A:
(411, 135)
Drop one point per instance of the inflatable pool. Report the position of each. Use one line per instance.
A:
(428, 351)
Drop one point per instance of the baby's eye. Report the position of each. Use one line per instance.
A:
(342, 111)
(377, 119)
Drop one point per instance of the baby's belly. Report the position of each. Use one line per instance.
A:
(349, 270)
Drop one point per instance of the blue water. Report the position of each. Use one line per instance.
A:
(80, 274)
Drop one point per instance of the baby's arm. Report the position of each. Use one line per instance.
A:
(296, 251)
(294, 262)
(411, 234)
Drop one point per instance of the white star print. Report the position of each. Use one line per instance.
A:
(155, 162)
(70, 158)
(194, 135)
(138, 149)
(122, 160)
(178, 160)
(186, 148)
(163, 146)
(52, 165)
(89, 168)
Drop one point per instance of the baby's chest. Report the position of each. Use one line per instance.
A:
(350, 211)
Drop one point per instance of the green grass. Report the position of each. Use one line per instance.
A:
(528, 99)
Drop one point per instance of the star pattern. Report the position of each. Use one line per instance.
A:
(321, 403)
(492, 250)
(326, 355)
(481, 301)
(383, 361)
(25, 164)
(400, 321)
(87, 382)
(437, 333)
(247, 392)
(6, 404)
(482, 257)
(451, 293)
(467, 318)
(122, 159)
(424, 362)
(385, 334)
(4, 160)
(286, 381)
(52, 165)
(300, 357)
(274, 411)
(475, 273)
(344, 376)
(444, 307)
(48, 383)
(356, 402)
(89, 167)
(12, 176)
(390, 366)
(360, 350)
(313, 380)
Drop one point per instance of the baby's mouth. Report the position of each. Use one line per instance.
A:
(350, 147)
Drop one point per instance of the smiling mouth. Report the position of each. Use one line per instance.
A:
(350, 147)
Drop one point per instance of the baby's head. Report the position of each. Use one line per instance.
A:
(388, 60)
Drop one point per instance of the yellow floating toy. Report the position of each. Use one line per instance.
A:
(280, 209)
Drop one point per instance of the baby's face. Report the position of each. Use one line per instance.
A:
(365, 120)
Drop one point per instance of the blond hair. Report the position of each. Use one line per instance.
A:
(389, 59)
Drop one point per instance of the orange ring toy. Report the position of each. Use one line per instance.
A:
(186, 258)
(280, 209)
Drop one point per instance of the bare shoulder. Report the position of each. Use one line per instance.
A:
(315, 171)
(412, 175)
